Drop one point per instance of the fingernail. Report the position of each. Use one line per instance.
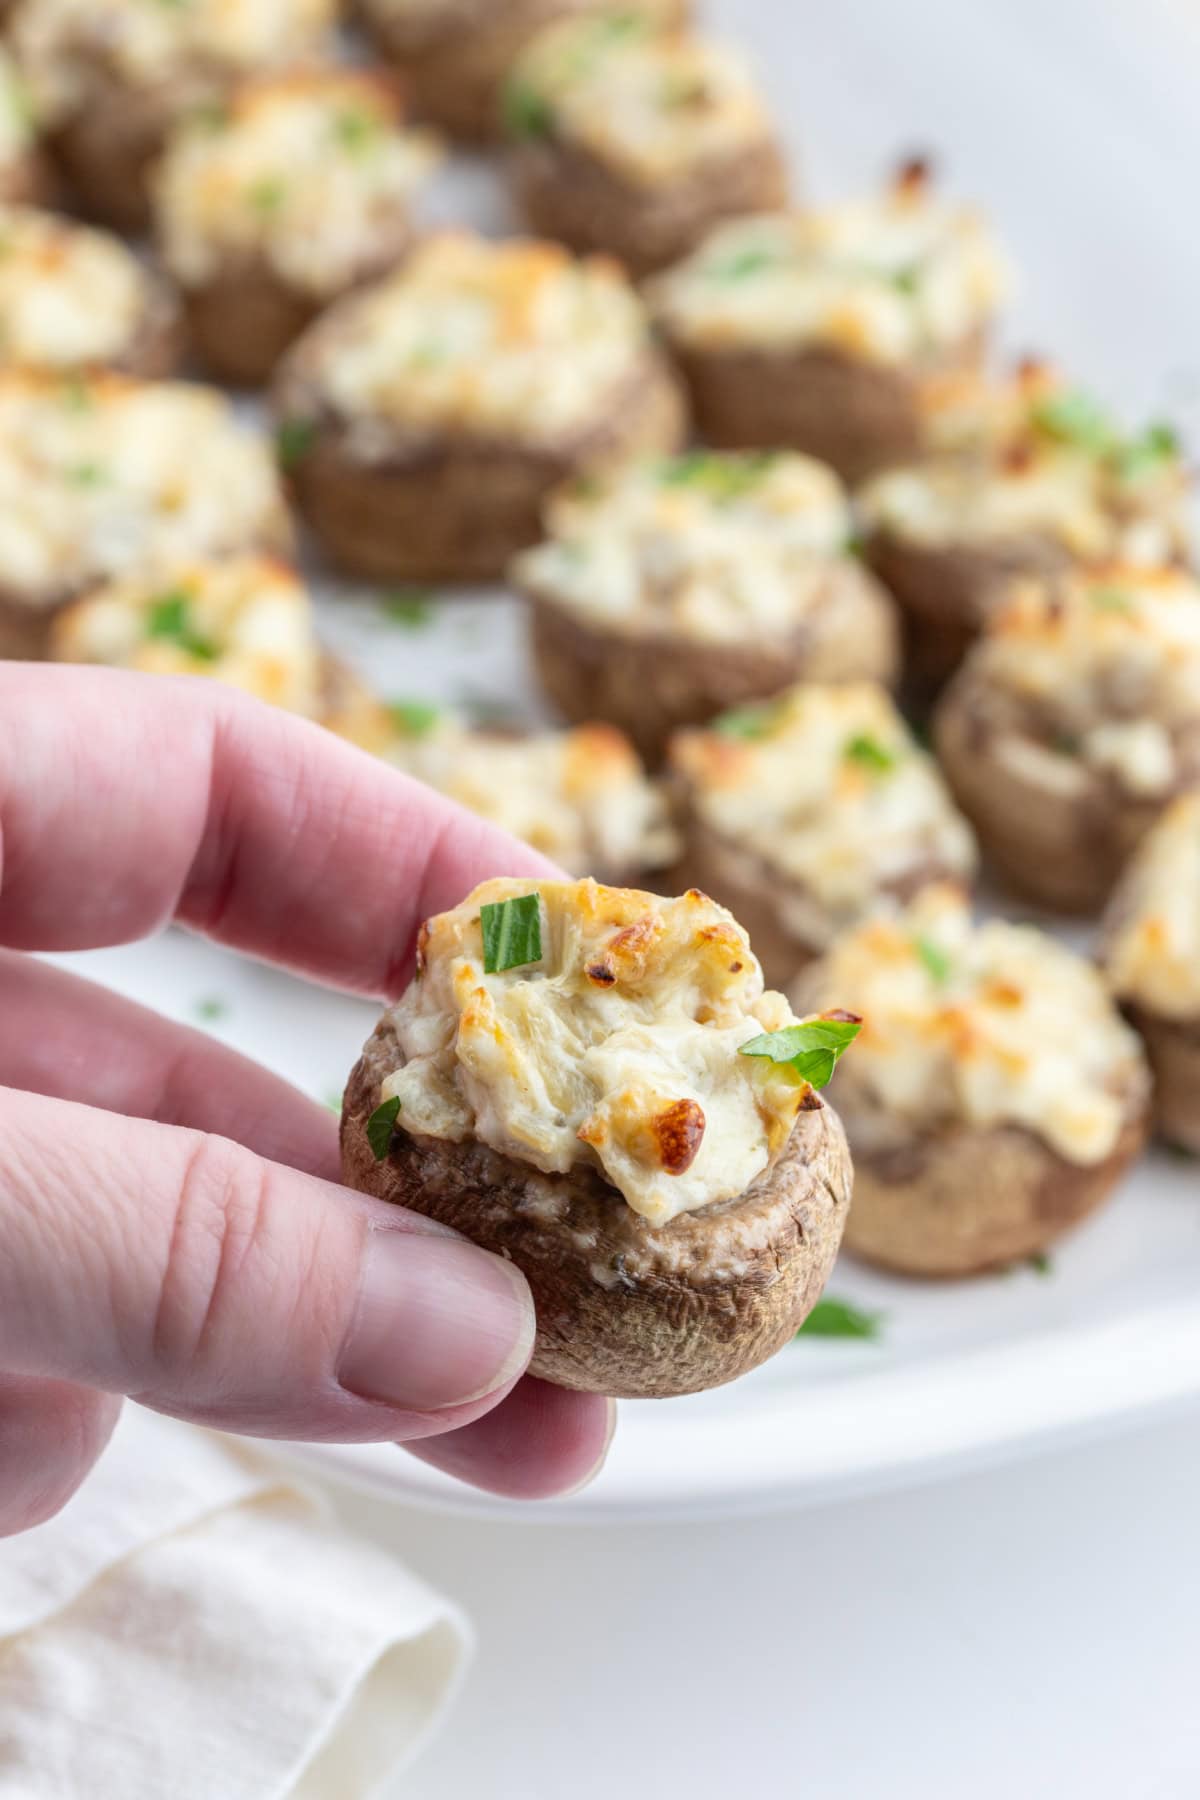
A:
(438, 1323)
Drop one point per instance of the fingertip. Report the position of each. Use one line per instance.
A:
(542, 1442)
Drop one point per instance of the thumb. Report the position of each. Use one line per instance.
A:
(200, 1279)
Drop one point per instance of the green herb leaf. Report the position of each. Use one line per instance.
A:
(747, 722)
(414, 610)
(935, 959)
(1073, 417)
(838, 1319)
(357, 130)
(415, 718)
(810, 1049)
(741, 264)
(88, 474)
(870, 754)
(1159, 443)
(76, 394)
(526, 113)
(211, 1008)
(293, 441)
(268, 195)
(381, 1125)
(170, 619)
(1040, 1263)
(855, 545)
(724, 477)
(512, 934)
(907, 280)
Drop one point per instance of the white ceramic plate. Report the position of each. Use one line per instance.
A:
(1077, 127)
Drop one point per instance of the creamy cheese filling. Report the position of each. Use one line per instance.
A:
(309, 172)
(68, 295)
(517, 339)
(990, 1024)
(1151, 951)
(893, 280)
(16, 124)
(102, 475)
(245, 621)
(826, 787)
(1100, 669)
(707, 546)
(581, 797)
(654, 107)
(616, 1051)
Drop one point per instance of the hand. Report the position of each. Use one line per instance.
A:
(170, 1227)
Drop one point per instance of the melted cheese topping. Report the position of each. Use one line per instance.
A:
(709, 547)
(1151, 952)
(1101, 667)
(1033, 457)
(987, 1025)
(307, 171)
(68, 295)
(517, 339)
(16, 123)
(106, 475)
(655, 108)
(64, 45)
(893, 280)
(245, 621)
(581, 797)
(617, 1051)
(827, 788)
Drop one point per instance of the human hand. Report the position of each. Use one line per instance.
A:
(169, 1225)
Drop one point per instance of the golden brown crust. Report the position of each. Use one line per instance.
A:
(964, 1199)
(572, 196)
(625, 1308)
(457, 509)
(651, 686)
(1173, 1046)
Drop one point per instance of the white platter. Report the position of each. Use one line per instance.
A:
(1077, 127)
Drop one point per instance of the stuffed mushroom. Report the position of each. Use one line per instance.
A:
(682, 586)
(995, 1096)
(1150, 955)
(103, 475)
(425, 420)
(806, 813)
(1039, 478)
(818, 330)
(1073, 722)
(592, 1082)
(268, 207)
(635, 140)
(108, 77)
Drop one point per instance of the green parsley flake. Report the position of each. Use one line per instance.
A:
(89, 474)
(380, 1127)
(810, 1049)
(293, 441)
(870, 754)
(512, 934)
(1073, 417)
(1145, 455)
(838, 1319)
(169, 619)
(747, 722)
(745, 262)
(211, 1008)
(357, 130)
(934, 958)
(268, 195)
(412, 610)
(724, 478)
(526, 112)
(1040, 1263)
(415, 718)
(906, 281)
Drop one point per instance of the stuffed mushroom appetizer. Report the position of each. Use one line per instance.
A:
(1045, 479)
(269, 206)
(592, 1082)
(680, 587)
(817, 330)
(635, 140)
(1072, 723)
(22, 177)
(806, 813)
(455, 54)
(425, 420)
(1151, 958)
(102, 475)
(74, 298)
(107, 78)
(995, 1096)
(243, 620)
(581, 797)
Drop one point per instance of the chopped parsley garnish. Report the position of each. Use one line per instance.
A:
(934, 958)
(1073, 417)
(170, 619)
(293, 441)
(1040, 1263)
(747, 721)
(724, 478)
(512, 933)
(1111, 599)
(527, 113)
(211, 1008)
(413, 610)
(855, 545)
(869, 753)
(838, 1319)
(811, 1049)
(415, 718)
(380, 1127)
(743, 263)
(268, 195)
(89, 474)
(76, 394)
(356, 130)
(1159, 443)
(907, 280)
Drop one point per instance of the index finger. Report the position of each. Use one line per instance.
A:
(129, 800)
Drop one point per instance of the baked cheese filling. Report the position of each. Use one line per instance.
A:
(1151, 950)
(570, 1025)
(103, 474)
(653, 107)
(707, 546)
(1097, 670)
(69, 295)
(516, 339)
(308, 172)
(891, 280)
(984, 1024)
(825, 788)
(581, 797)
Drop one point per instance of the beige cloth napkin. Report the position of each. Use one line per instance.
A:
(195, 1623)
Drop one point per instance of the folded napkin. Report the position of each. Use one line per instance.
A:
(196, 1624)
